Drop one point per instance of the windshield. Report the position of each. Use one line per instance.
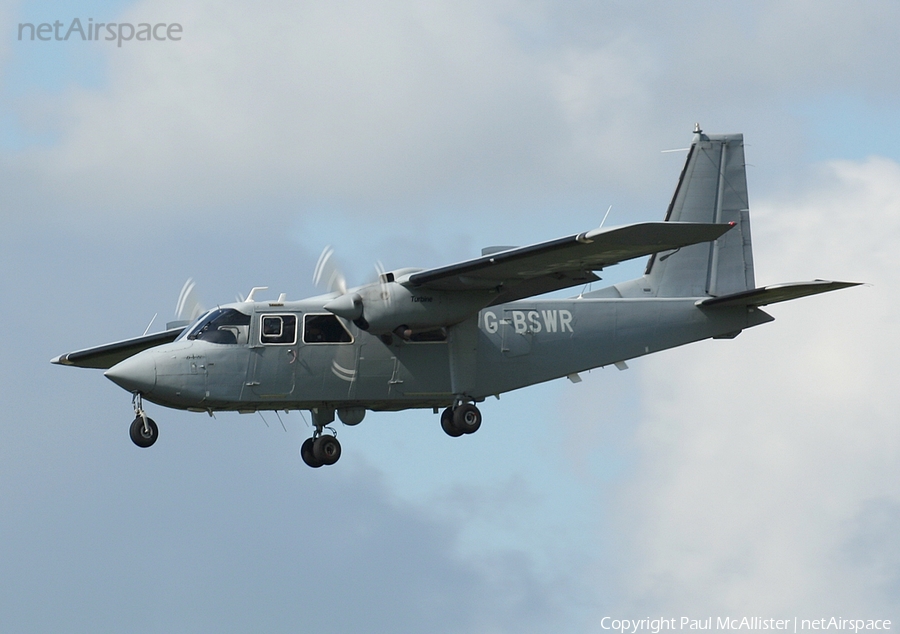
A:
(222, 325)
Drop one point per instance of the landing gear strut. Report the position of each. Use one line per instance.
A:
(144, 431)
(463, 418)
(322, 449)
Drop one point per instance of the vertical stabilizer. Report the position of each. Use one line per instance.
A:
(712, 188)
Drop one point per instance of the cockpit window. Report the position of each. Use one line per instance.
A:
(222, 325)
(278, 329)
(324, 329)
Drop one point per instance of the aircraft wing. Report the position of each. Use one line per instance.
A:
(106, 356)
(570, 261)
(776, 293)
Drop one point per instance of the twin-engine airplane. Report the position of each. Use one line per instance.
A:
(447, 338)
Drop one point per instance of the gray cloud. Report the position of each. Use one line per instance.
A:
(768, 471)
(410, 105)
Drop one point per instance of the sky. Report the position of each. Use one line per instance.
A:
(751, 477)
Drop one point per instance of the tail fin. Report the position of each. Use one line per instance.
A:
(712, 188)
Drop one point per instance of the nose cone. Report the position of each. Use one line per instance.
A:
(135, 374)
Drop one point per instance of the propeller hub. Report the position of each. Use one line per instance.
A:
(349, 306)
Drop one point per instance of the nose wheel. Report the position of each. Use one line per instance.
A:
(465, 418)
(143, 431)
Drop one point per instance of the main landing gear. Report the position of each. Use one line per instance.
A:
(322, 449)
(461, 419)
(144, 431)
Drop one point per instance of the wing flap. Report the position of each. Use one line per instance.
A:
(776, 293)
(570, 261)
(106, 356)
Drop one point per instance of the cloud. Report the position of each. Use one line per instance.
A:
(251, 540)
(768, 472)
(407, 108)
(305, 100)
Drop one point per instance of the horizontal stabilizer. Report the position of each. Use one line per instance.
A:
(106, 356)
(775, 293)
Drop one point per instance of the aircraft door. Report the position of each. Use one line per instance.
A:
(518, 328)
(274, 355)
(378, 371)
(329, 358)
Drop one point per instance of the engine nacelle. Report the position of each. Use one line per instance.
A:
(381, 308)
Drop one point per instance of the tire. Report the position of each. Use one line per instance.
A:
(306, 452)
(467, 418)
(326, 449)
(447, 424)
(139, 435)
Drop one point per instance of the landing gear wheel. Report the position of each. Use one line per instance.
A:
(144, 435)
(447, 424)
(467, 418)
(306, 452)
(326, 449)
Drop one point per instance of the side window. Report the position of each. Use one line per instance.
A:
(324, 329)
(278, 329)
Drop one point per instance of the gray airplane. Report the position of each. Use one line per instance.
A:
(447, 338)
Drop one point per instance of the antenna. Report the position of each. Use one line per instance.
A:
(604, 217)
(280, 421)
(147, 329)
(253, 292)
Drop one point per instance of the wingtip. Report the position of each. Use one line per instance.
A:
(838, 284)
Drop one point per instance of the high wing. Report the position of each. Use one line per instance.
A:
(564, 262)
(775, 293)
(106, 356)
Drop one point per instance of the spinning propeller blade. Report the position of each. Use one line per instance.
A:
(189, 306)
(383, 281)
(328, 272)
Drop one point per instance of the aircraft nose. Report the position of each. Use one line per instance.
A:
(135, 374)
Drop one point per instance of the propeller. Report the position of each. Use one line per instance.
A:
(346, 305)
(327, 270)
(188, 307)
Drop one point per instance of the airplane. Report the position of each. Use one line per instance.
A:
(446, 338)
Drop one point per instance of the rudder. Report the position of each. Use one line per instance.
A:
(712, 188)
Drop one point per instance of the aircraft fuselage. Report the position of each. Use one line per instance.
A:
(517, 344)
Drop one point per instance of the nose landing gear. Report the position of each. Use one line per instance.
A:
(144, 431)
